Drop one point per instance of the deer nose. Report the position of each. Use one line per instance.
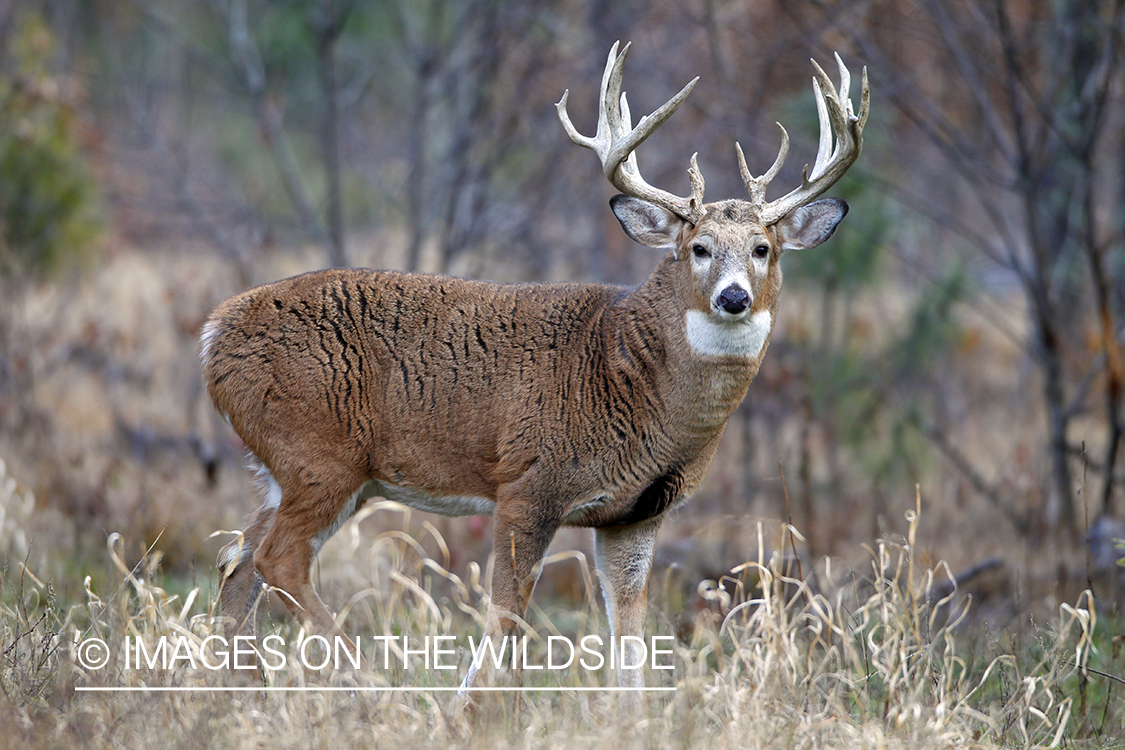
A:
(734, 299)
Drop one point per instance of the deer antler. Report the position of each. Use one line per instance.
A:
(834, 109)
(616, 140)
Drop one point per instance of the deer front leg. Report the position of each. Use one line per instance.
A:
(520, 539)
(623, 556)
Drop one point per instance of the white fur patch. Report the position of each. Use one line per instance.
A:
(210, 328)
(579, 512)
(420, 500)
(271, 498)
(732, 279)
(269, 486)
(742, 338)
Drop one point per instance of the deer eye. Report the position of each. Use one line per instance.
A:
(700, 251)
(762, 251)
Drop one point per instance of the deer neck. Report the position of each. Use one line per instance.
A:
(701, 375)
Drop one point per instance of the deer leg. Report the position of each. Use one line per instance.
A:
(519, 544)
(240, 587)
(623, 556)
(309, 514)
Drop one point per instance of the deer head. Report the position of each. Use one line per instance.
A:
(732, 246)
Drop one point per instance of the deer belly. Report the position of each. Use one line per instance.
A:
(445, 505)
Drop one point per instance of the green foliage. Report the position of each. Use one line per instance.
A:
(864, 377)
(285, 36)
(48, 197)
(893, 388)
(854, 259)
(933, 329)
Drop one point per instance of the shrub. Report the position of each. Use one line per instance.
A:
(48, 196)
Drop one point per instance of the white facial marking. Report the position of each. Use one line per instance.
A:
(761, 265)
(716, 338)
(700, 265)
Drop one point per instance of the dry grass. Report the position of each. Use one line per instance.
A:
(767, 656)
(774, 659)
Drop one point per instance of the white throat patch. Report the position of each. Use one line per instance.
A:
(744, 338)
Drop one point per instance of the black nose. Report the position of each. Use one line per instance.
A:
(734, 299)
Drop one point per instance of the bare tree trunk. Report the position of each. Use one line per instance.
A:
(1115, 369)
(1047, 351)
(1024, 139)
(422, 54)
(249, 64)
(416, 178)
(466, 87)
(328, 23)
(1091, 100)
(1039, 196)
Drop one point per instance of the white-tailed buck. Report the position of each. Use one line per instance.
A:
(542, 405)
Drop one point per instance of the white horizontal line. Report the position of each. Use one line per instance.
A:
(339, 689)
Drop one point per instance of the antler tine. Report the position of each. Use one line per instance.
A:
(756, 186)
(839, 112)
(864, 101)
(600, 143)
(616, 141)
(841, 139)
(609, 113)
(845, 81)
(824, 146)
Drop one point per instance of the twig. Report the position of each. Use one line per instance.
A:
(789, 526)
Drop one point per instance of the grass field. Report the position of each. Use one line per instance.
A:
(773, 656)
(774, 646)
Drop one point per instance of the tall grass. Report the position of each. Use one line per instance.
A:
(772, 658)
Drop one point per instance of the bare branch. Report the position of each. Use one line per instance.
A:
(249, 63)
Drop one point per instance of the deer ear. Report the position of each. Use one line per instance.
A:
(808, 226)
(647, 223)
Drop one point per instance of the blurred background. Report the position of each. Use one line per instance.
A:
(961, 338)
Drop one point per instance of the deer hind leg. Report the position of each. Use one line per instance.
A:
(309, 514)
(623, 556)
(241, 586)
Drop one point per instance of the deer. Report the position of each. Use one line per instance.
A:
(542, 405)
